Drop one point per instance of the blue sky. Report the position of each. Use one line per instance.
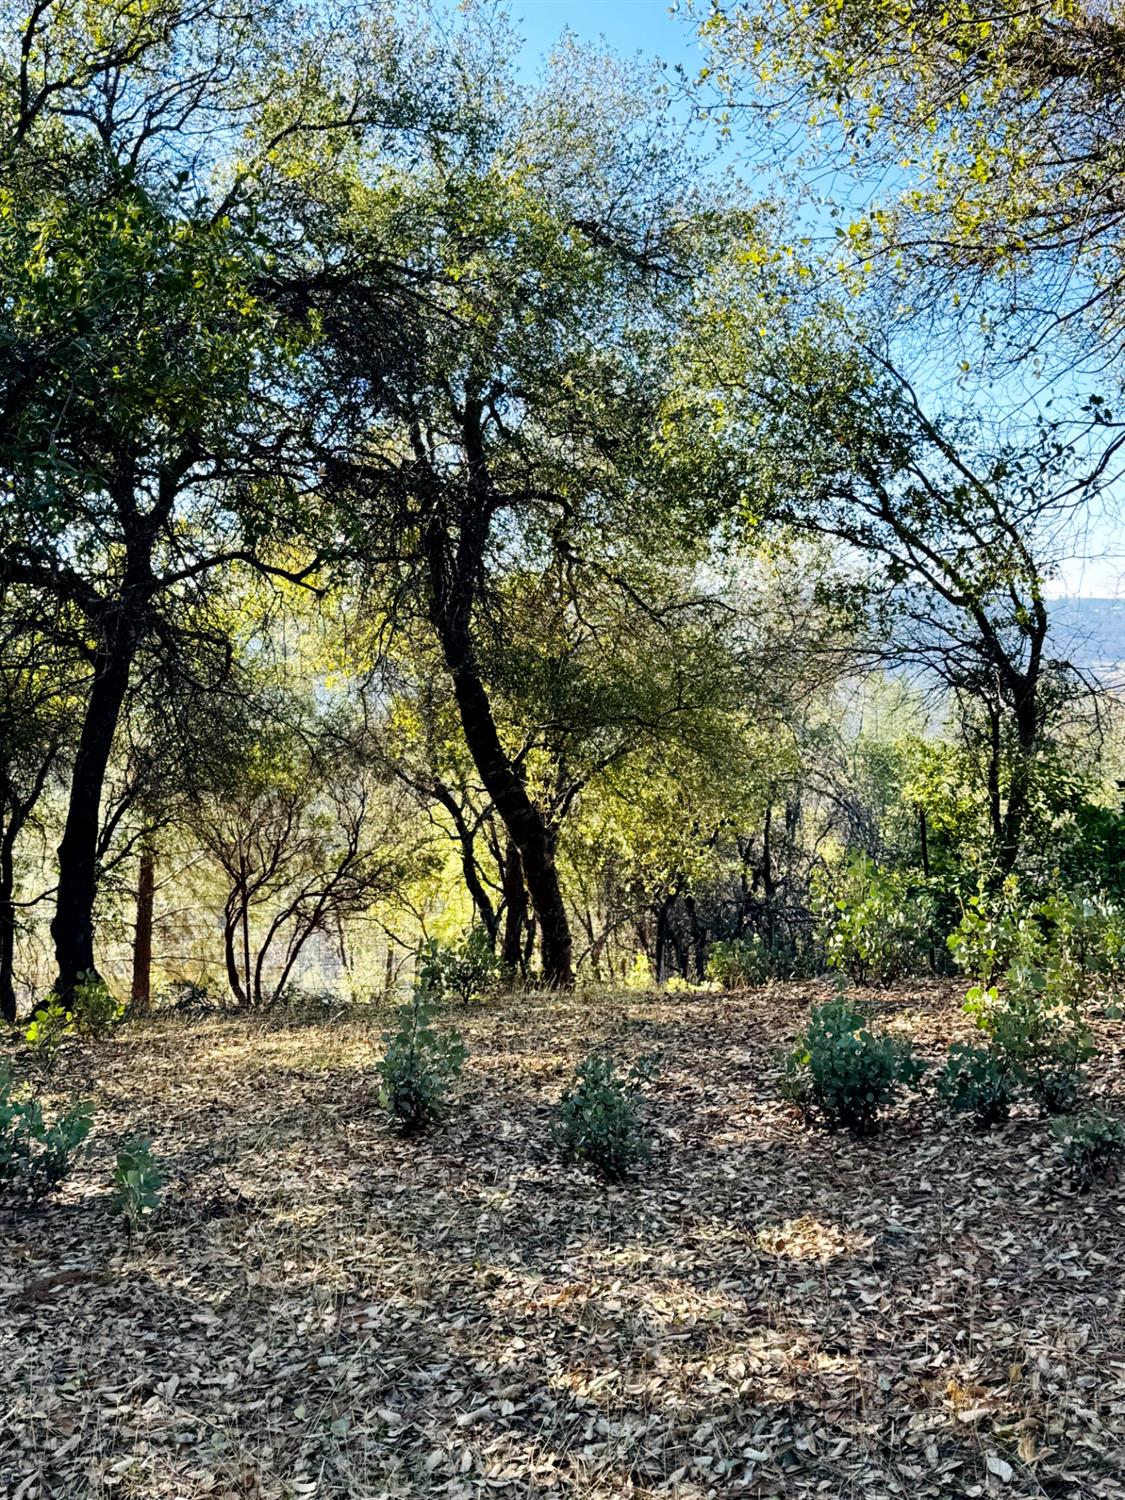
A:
(652, 28)
(627, 25)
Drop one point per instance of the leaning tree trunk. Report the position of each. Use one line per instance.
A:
(73, 924)
(524, 821)
(452, 583)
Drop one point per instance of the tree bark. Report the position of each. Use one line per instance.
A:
(7, 925)
(525, 822)
(72, 927)
(515, 908)
(141, 992)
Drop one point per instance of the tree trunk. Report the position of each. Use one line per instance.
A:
(141, 993)
(455, 553)
(72, 927)
(523, 820)
(662, 937)
(515, 910)
(7, 925)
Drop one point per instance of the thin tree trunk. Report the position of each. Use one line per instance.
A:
(72, 927)
(244, 916)
(454, 568)
(524, 821)
(230, 927)
(515, 910)
(7, 925)
(141, 993)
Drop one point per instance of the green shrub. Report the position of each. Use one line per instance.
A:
(996, 928)
(844, 1073)
(600, 1118)
(1037, 1030)
(873, 924)
(1086, 930)
(738, 963)
(93, 1014)
(96, 1011)
(1093, 1145)
(34, 1156)
(137, 1181)
(461, 969)
(417, 1067)
(977, 1081)
(49, 1028)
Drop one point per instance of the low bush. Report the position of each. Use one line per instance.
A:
(187, 997)
(996, 929)
(1093, 1145)
(50, 1026)
(93, 1014)
(36, 1157)
(1036, 1029)
(418, 1067)
(844, 1073)
(460, 970)
(298, 1005)
(978, 1082)
(738, 963)
(873, 923)
(600, 1118)
(137, 1180)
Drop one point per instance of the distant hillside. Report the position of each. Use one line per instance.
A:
(1091, 633)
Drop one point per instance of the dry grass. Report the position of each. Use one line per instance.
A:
(324, 1309)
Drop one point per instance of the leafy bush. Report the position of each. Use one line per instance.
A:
(34, 1156)
(845, 1073)
(93, 1013)
(873, 923)
(417, 1067)
(738, 963)
(462, 969)
(995, 929)
(1093, 1145)
(977, 1081)
(137, 1181)
(1086, 932)
(600, 1118)
(95, 1010)
(50, 1026)
(1036, 1029)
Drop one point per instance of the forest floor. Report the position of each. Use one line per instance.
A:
(322, 1308)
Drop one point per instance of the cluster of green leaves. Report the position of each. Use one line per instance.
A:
(600, 1118)
(137, 1181)
(844, 1073)
(418, 1066)
(1034, 1026)
(874, 923)
(463, 969)
(1032, 964)
(738, 963)
(977, 1081)
(995, 926)
(36, 1157)
(1093, 1145)
(93, 1014)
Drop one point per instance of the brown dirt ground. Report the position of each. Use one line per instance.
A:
(325, 1309)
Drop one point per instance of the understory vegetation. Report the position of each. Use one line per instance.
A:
(561, 751)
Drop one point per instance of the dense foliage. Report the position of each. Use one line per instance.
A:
(454, 533)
